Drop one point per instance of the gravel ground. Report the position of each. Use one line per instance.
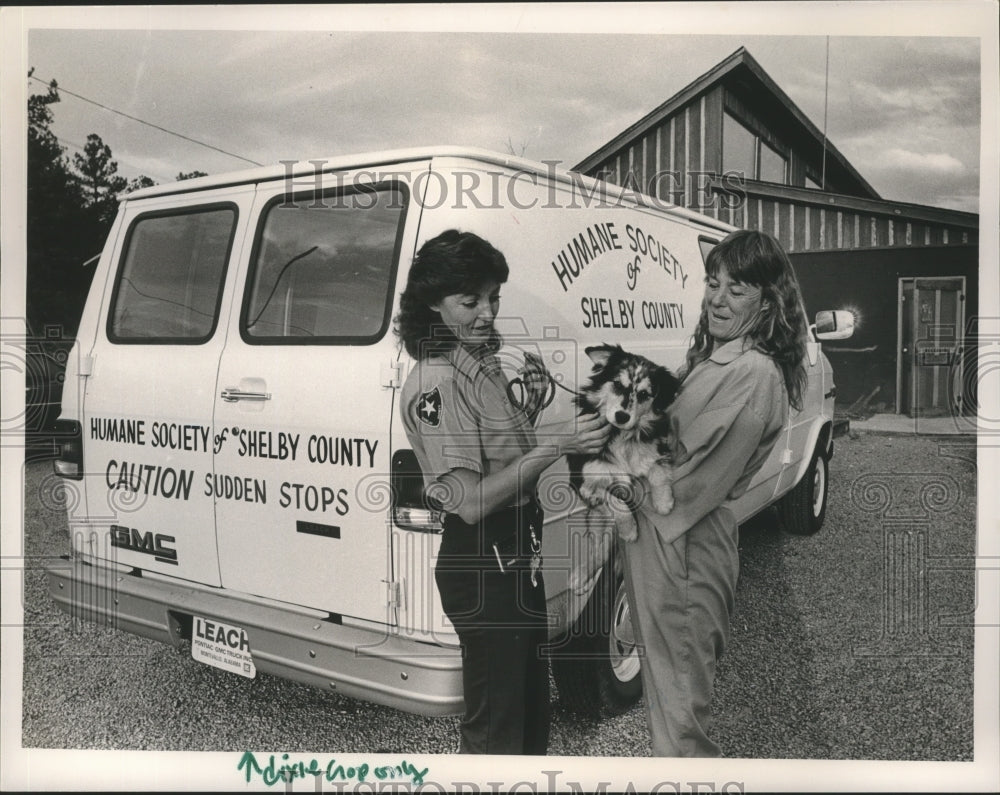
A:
(816, 668)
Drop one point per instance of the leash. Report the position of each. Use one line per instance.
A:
(519, 400)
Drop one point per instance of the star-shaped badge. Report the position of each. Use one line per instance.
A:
(429, 408)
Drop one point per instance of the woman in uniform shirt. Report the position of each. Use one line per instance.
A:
(481, 461)
(744, 368)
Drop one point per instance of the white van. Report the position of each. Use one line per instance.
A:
(238, 477)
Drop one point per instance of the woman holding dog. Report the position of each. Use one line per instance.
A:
(481, 461)
(745, 368)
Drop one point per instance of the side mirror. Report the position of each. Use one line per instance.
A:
(834, 325)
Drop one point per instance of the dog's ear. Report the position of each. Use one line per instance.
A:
(666, 386)
(600, 355)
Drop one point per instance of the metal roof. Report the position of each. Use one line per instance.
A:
(837, 201)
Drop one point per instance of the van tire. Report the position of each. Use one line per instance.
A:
(597, 669)
(803, 509)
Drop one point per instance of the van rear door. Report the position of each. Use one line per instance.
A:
(150, 392)
(304, 402)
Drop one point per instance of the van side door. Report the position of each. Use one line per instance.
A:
(305, 397)
(150, 392)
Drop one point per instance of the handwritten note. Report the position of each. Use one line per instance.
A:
(287, 770)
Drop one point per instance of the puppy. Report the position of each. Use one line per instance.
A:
(633, 394)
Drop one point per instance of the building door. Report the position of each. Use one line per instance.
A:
(931, 318)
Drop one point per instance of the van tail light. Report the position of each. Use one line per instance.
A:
(422, 519)
(411, 509)
(69, 438)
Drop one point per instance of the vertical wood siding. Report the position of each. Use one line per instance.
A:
(668, 160)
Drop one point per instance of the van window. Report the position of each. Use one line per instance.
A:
(170, 280)
(322, 268)
(706, 244)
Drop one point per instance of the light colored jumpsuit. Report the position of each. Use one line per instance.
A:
(681, 572)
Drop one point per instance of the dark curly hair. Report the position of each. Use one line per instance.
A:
(453, 262)
(781, 330)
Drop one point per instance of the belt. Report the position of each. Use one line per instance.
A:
(507, 539)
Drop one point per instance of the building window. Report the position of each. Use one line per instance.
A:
(739, 149)
(772, 165)
(743, 152)
(811, 183)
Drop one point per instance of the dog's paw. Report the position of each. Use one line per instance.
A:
(626, 527)
(624, 519)
(663, 500)
(589, 556)
(594, 498)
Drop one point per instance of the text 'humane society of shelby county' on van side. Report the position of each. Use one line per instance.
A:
(591, 243)
(279, 445)
(170, 482)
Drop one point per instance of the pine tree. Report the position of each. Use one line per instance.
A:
(100, 180)
(71, 207)
(55, 224)
(140, 182)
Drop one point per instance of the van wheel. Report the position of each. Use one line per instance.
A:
(597, 667)
(803, 509)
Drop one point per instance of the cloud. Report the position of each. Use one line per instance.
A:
(935, 164)
(278, 95)
(934, 178)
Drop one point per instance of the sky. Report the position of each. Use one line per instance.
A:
(903, 109)
(552, 82)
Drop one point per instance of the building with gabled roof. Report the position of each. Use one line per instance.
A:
(734, 146)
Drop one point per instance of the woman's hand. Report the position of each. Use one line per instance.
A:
(473, 496)
(583, 435)
(537, 384)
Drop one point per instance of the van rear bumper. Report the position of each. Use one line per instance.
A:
(375, 666)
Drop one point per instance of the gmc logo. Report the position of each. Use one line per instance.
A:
(148, 543)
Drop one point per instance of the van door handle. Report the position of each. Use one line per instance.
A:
(231, 395)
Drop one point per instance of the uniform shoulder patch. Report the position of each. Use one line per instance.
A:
(429, 407)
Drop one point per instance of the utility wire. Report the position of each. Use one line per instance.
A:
(148, 124)
(78, 147)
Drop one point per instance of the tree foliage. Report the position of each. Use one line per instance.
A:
(57, 229)
(139, 183)
(71, 207)
(99, 179)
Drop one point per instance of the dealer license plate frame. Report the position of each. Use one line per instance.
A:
(226, 655)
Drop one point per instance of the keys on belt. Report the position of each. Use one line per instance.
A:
(536, 557)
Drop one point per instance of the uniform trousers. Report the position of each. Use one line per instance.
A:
(682, 595)
(501, 623)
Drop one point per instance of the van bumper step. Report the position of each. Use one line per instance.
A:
(369, 664)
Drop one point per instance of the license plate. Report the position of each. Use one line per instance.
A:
(222, 646)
